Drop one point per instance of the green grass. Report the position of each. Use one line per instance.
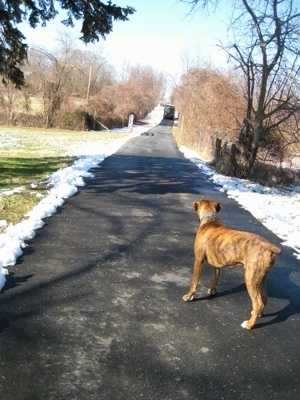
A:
(21, 173)
(30, 156)
(14, 207)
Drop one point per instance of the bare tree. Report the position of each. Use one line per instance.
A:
(52, 75)
(8, 99)
(91, 72)
(63, 73)
(266, 49)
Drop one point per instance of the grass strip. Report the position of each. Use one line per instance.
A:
(31, 155)
(22, 172)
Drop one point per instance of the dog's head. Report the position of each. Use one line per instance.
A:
(203, 207)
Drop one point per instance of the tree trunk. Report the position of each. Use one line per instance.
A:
(237, 159)
(225, 159)
(247, 151)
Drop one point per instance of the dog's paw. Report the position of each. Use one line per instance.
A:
(245, 325)
(188, 297)
(212, 292)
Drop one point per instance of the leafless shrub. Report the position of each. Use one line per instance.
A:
(209, 105)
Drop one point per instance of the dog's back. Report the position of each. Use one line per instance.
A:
(223, 246)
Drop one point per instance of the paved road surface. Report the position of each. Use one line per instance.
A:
(93, 309)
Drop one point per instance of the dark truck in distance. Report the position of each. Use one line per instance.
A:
(169, 111)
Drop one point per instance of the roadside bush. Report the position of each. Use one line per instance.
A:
(209, 105)
(78, 120)
(109, 120)
(272, 175)
(23, 119)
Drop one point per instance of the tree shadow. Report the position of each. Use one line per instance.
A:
(12, 281)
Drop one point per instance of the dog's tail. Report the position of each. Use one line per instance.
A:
(274, 249)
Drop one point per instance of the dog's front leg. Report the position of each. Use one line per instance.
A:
(198, 264)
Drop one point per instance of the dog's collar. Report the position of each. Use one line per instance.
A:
(210, 214)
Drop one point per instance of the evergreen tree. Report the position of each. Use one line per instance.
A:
(97, 21)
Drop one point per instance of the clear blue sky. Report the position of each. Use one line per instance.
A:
(159, 34)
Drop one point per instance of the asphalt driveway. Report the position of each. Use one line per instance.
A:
(93, 309)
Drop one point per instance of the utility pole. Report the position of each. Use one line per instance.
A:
(88, 88)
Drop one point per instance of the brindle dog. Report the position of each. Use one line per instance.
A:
(221, 246)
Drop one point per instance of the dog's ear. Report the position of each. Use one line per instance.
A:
(217, 206)
(195, 205)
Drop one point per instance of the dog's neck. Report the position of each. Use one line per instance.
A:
(210, 214)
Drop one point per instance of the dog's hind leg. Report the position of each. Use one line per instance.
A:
(270, 260)
(254, 282)
(198, 265)
(214, 283)
(263, 294)
(263, 291)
